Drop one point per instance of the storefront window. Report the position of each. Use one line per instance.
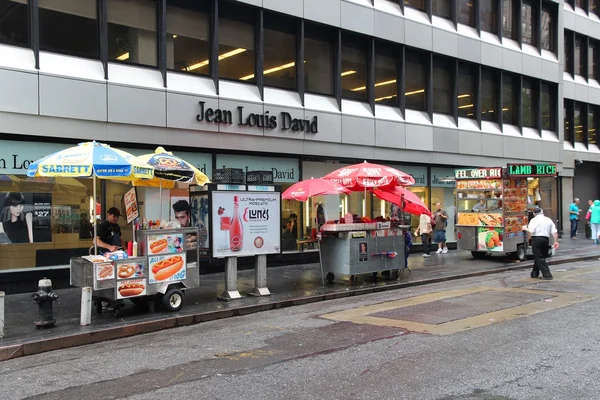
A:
(442, 85)
(132, 31)
(442, 8)
(509, 99)
(280, 51)
(14, 25)
(578, 122)
(527, 20)
(69, 27)
(488, 10)
(318, 55)
(489, 94)
(188, 44)
(547, 30)
(466, 12)
(543, 193)
(529, 100)
(416, 80)
(236, 42)
(548, 106)
(443, 191)
(354, 67)
(386, 75)
(467, 75)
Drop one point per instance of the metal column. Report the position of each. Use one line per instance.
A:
(231, 291)
(260, 276)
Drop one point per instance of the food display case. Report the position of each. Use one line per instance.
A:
(354, 249)
(167, 265)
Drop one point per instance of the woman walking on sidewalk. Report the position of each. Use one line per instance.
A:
(595, 221)
(425, 229)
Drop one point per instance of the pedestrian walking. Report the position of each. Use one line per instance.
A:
(425, 230)
(541, 229)
(407, 246)
(574, 212)
(595, 221)
(588, 216)
(439, 234)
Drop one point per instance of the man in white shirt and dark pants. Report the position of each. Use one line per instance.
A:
(541, 229)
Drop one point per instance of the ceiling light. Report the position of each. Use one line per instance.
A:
(123, 57)
(348, 73)
(466, 106)
(221, 57)
(376, 85)
(174, 36)
(385, 97)
(270, 70)
(414, 92)
(462, 96)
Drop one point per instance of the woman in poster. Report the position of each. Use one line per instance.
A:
(16, 224)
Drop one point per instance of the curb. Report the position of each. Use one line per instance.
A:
(96, 336)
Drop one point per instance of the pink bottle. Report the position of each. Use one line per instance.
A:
(236, 230)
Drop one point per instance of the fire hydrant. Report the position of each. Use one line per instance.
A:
(44, 298)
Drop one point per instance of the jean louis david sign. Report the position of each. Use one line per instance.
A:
(246, 223)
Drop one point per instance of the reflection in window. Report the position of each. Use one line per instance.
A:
(509, 100)
(488, 10)
(593, 73)
(467, 76)
(442, 85)
(14, 23)
(188, 44)
(578, 122)
(548, 107)
(489, 95)
(509, 20)
(418, 4)
(580, 4)
(318, 55)
(592, 125)
(547, 30)
(132, 31)
(442, 8)
(466, 12)
(354, 68)
(416, 81)
(568, 51)
(567, 110)
(529, 100)
(593, 5)
(236, 43)
(69, 27)
(280, 51)
(527, 22)
(578, 56)
(386, 75)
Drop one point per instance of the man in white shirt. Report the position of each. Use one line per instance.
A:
(541, 229)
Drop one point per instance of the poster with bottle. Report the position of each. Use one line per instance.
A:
(246, 223)
(167, 268)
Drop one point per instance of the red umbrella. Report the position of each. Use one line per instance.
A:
(302, 190)
(412, 203)
(365, 175)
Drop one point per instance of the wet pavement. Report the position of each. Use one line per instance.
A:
(290, 285)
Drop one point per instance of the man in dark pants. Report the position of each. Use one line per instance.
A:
(541, 229)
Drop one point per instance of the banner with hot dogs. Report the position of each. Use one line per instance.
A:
(163, 244)
(104, 271)
(131, 288)
(167, 268)
(131, 205)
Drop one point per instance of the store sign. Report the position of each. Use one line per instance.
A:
(478, 173)
(15, 157)
(532, 170)
(285, 121)
(442, 177)
(284, 170)
(419, 174)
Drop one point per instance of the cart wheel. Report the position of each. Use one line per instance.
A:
(395, 273)
(386, 274)
(173, 300)
(521, 253)
(478, 255)
(98, 306)
(330, 277)
(353, 280)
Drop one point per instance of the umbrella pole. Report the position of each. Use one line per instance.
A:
(160, 195)
(94, 213)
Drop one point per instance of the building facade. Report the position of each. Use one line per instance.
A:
(299, 87)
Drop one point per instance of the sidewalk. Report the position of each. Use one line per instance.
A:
(290, 285)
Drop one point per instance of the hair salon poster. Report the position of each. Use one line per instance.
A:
(25, 217)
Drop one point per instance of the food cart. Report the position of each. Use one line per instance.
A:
(353, 249)
(166, 266)
(492, 207)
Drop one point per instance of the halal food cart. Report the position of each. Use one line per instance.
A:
(493, 205)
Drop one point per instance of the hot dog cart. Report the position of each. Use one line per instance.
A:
(353, 249)
(167, 265)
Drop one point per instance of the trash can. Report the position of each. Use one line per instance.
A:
(588, 231)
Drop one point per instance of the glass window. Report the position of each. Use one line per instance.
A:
(509, 100)
(529, 104)
(442, 8)
(568, 52)
(548, 106)
(237, 55)
(592, 124)
(466, 12)
(416, 81)
(418, 4)
(593, 73)
(488, 10)
(579, 56)
(442, 85)
(386, 75)
(14, 23)
(69, 27)
(527, 22)
(567, 109)
(354, 67)
(280, 51)
(593, 4)
(578, 122)
(467, 75)
(188, 43)
(318, 55)
(580, 4)
(509, 20)
(132, 31)
(489, 95)
(547, 30)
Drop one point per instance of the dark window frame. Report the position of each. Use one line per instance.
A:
(29, 31)
(451, 64)
(495, 76)
(473, 75)
(551, 91)
(552, 10)
(292, 28)
(332, 37)
(391, 51)
(423, 58)
(356, 42)
(515, 87)
(569, 121)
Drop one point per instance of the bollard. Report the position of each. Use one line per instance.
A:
(260, 276)
(86, 306)
(1, 315)
(231, 291)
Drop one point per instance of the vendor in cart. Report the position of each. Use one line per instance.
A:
(108, 237)
(481, 206)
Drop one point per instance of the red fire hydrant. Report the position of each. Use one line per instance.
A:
(44, 298)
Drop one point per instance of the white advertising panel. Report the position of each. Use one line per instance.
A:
(246, 223)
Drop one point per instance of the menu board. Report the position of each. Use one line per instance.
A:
(131, 205)
(515, 195)
(513, 226)
(480, 184)
(480, 219)
(131, 288)
(490, 239)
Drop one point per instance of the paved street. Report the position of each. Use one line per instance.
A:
(502, 336)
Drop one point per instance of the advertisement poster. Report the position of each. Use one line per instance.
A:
(130, 270)
(25, 217)
(246, 223)
(514, 226)
(131, 288)
(363, 252)
(104, 271)
(131, 205)
(199, 206)
(162, 244)
(181, 211)
(490, 239)
(167, 268)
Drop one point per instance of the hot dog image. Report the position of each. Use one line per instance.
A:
(166, 268)
(158, 246)
(131, 289)
(105, 271)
